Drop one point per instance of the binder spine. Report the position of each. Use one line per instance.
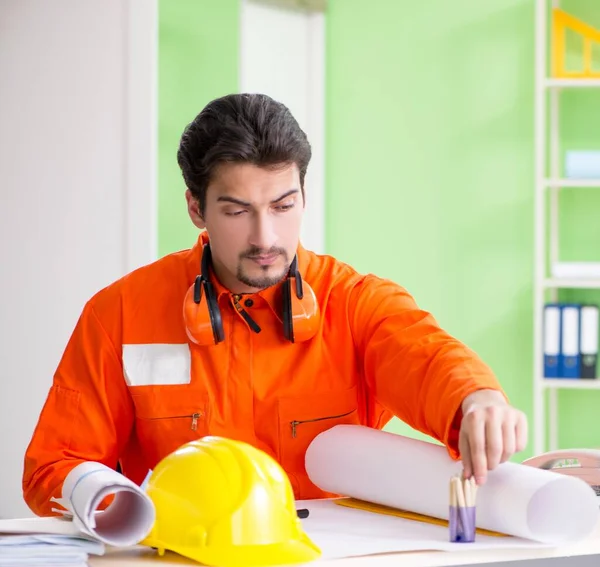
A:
(551, 340)
(589, 363)
(570, 343)
(589, 341)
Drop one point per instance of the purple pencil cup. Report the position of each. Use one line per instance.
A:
(461, 523)
(453, 523)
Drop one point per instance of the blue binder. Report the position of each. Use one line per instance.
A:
(570, 358)
(551, 340)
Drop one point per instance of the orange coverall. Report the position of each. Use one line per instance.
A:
(130, 388)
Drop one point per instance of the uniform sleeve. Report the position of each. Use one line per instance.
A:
(415, 369)
(87, 415)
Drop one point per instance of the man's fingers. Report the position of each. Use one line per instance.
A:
(509, 437)
(490, 435)
(465, 455)
(521, 433)
(494, 436)
(476, 438)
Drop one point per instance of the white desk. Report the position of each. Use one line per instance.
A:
(144, 557)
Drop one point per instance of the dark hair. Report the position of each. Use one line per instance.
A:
(238, 128)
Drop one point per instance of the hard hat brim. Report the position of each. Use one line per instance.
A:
(302, 550)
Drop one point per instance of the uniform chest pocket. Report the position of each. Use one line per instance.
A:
(302, 419)
(167, 417)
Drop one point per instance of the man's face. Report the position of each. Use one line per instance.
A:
(253, 217)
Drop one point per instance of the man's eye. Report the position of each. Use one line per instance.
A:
(234, 213)
(283, 208)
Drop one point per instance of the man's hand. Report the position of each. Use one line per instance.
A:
(490, 433)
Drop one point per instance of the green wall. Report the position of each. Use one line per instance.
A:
(429, 152)
(430, 148)
(197, 62)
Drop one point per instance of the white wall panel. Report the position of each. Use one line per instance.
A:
(69, 167)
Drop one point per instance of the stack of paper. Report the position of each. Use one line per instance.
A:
(45, 541)
(83, 529)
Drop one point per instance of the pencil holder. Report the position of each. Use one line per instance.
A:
(461, 522)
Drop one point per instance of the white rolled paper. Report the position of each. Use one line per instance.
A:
(128, 519)
(413, 475)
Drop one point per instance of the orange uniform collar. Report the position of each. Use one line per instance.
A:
(271, 295)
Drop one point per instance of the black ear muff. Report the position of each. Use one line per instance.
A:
(198, 290)
(300, 309)
(213, 305)
(299, 288)
(203, 321)
(286, 296)
(215, 313)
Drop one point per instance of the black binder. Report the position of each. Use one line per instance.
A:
(588, 341)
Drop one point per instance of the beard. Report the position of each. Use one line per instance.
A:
(266, 277)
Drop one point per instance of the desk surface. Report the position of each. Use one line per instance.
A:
(144, 557)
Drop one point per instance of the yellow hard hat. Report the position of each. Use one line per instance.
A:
(223, 502)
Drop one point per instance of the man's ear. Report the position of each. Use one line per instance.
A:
(194, 210)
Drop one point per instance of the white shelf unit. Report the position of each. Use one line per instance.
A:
(549, 184)
(570, 83)
(571, 384)
(573, 183)
(558, 283)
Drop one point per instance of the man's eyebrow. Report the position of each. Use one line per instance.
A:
(228, 199)
(286, 194)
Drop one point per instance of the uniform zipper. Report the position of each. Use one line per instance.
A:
(194, 417)
(295, 424)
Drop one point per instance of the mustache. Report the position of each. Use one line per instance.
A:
(255, 251)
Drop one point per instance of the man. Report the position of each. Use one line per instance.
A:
(248, 335)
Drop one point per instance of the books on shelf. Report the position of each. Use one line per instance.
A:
(570, 340)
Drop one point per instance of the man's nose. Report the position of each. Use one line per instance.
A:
(263, 234)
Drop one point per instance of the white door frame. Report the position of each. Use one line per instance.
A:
(292, 71)
(141, 127)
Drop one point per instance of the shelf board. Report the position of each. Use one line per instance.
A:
(570, 283)
(572, 83)
(580, 183)
(572, 383)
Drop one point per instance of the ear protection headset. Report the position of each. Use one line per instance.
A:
(202, 316)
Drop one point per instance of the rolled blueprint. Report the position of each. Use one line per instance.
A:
(413, 475)
(126, 521)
